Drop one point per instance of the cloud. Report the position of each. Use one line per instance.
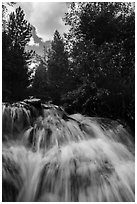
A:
(36, 38)
(37, 44)
(32, 43)
(46, 17)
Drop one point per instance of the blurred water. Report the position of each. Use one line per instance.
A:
(55, 157)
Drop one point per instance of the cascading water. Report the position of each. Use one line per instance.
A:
(50, 156)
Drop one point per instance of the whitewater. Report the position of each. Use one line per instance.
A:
(50, 156)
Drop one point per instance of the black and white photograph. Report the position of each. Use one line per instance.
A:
(68, 101)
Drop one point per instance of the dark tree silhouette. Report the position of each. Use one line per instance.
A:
(57, 66)
(15, 58)
(101, 41)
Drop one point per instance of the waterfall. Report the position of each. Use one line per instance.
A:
(50, 156)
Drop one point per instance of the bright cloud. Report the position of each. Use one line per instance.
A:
(32, 43)
(46, 17)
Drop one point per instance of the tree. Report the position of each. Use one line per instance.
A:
(57, 66)
(103, 57)
(15, 58)
(40, 82)
(5, 13)
(94, 24)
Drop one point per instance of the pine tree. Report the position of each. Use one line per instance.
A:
(19, 29)
(15, 58)
(58, 65)
(40, 82)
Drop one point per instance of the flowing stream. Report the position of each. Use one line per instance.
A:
(50, 156)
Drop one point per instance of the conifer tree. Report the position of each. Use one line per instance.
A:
(40, 82)
(15, 57)
(58, 65)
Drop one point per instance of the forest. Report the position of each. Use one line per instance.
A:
(90, 69)
(68, 123)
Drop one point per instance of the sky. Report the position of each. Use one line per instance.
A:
(45, 17)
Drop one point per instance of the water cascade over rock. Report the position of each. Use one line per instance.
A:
(49, 155)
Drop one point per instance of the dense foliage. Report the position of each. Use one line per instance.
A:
(101, 41)
(91, 70)
(52, 77)
(15, 75)
(40, 85)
